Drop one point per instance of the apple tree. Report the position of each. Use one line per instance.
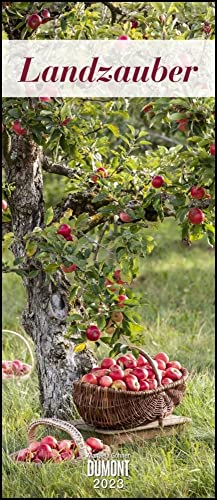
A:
(123, 165)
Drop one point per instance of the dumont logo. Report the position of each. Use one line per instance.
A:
(116, 468)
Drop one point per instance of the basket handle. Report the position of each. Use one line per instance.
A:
(25, 342)
(64, 426)
(149, 359)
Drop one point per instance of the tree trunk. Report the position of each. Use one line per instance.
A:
(45, 316)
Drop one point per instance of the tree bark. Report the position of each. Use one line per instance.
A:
(44, 318)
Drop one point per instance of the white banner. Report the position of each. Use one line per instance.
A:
(108, 68)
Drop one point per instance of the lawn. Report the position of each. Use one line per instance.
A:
(178, 283)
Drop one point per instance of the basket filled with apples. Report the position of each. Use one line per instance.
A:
(128, 392)
(16, 369)
(51, 450)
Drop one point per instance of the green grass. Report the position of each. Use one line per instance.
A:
(178, 284)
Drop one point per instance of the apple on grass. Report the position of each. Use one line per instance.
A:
(95, 443)
(44, 452)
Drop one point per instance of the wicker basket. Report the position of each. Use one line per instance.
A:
(107, 408)
(74, 434)
(27, 375)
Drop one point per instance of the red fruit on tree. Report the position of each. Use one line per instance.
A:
(121, 300)
(65, 122)
(45, 99)
(212, 149)
(69, 238)
(132, 383)
(16, 127)
(208, 196)
(69, 269)
(144, 385)
(196, 216)
(45, 14)
(163, 356)
(64, 230)
(124, 217)
(4, 206)
(140, 373)
(117, 317)
(108, 362)
(123, 37)
(93, 333)
(95, 443)
(119, 385)
(105, 381)
(102, 172)
(157, 181)
(134, 24)
(198, 192)
(34, 21)
(182, 124)
(207, 28)
(173, 373)
(147, 108)
(50, 440)
(89, 378)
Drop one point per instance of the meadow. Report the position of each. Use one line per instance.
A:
(178, 283)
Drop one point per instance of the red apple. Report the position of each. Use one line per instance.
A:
(166, 381)
(157, 181)
(4, 364)
(152, 384)
(207, 28)
(140, 373)
(52, 441)
(122, 360)
(141, 361)
(124, 217)
(197, 192)
(208, 196)
(132, 383)
(25, 369)
(196, 216)
(65, 122)
(102, 372)
(105, 381)
(161, 364)
(89, 378)
(93, 333)
(24, 454)
(123, 37)
(45, 14)
(64, 230)
(69, 269)
(108, 362)
(163, 356)
(58, 459)
(119, 385)
(95, 369)
(174, 364)
(134, 24)
(37, 460)
(69, 238)
(4, 206)
(44, 452)
(151, 374)
(94, 443)
(144, 385)
(102, 172)
(147, 108)
(117, 374)
(173, 373)
(66, 455)
(17, 366)
(117, 274)
(34, 446)
(117, 317)
(128, 371)
(212, 149)
(64, 445)
(45, 99)
(34, 21)
(182, 125)
(16, 127)
(121, 300)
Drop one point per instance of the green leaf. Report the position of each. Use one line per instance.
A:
(49, 216)
(114, 129)
(51, 268)
(79, 347)
(31, 248)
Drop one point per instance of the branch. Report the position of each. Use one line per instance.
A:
(99, 241)
(114, 11)
(81, 203)
(57, 168)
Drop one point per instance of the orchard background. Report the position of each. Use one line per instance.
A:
(90, 164)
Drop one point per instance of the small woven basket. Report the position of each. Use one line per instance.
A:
(27, 375)
(107, 408)
(74, 434)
